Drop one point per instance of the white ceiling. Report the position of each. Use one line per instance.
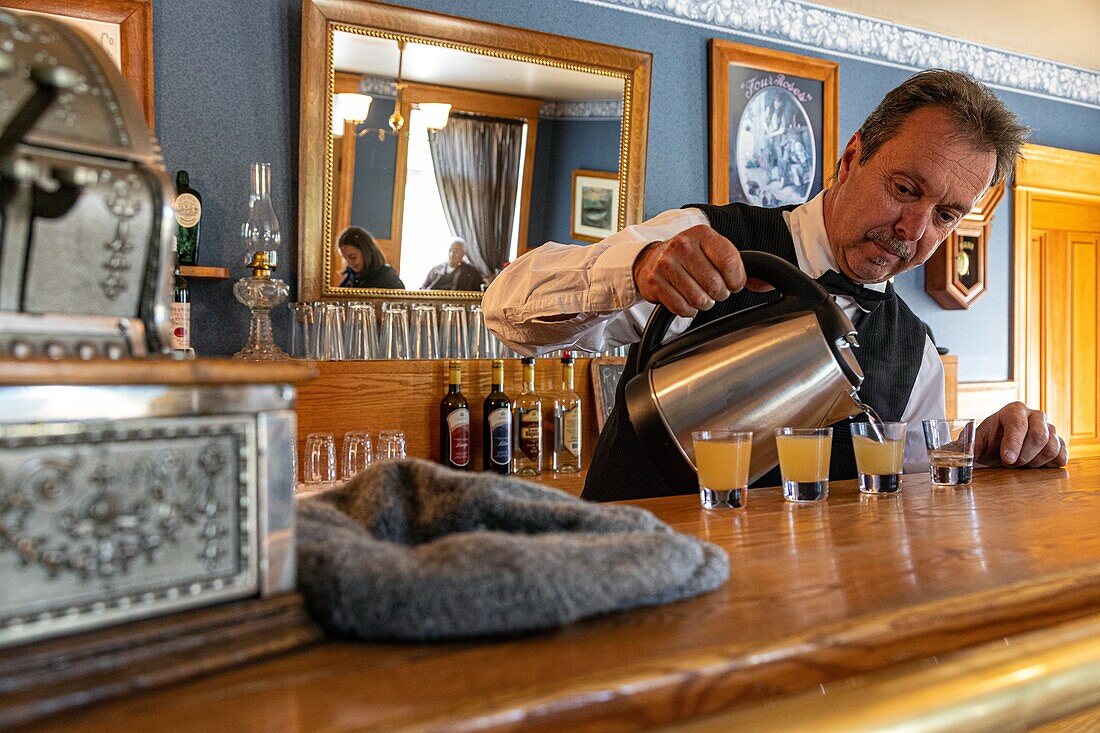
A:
(1065, 31)
(359, 54)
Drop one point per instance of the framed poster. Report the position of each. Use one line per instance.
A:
(595, 205)
(773, 125)
(123, 28)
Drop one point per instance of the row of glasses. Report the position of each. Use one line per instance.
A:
(319, 466)
(722, 460)
(332, 331)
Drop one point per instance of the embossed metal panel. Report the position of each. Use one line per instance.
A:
(102, 521)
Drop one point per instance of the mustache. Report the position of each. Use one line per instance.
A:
(899, 247)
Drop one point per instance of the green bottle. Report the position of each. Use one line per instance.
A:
(188, 217)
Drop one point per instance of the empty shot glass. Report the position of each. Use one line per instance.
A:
(722, 462)
(880, 456)
(950, 446)
(357, 454)
(319, 468)
(391, 445)
(804, 455)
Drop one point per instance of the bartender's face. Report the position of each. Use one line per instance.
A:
(888, 214)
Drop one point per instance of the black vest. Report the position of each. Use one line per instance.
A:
(891, 349)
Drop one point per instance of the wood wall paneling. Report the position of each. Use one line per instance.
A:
(405, 395)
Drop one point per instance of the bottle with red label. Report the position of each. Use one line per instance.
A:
(454, 422)
(180, 313)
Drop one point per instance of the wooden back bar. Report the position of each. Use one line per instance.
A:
(405, 395)
(824, 594)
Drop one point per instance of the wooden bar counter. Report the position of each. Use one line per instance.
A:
(822, 601)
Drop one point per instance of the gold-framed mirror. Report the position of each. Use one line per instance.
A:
(396, 168)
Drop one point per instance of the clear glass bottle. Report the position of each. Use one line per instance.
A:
(454, 422)
(496, 425)
(527, 454)
(566, 455)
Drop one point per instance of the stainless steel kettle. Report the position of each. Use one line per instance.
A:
(785, 363)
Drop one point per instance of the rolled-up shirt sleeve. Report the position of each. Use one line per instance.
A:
(563, 296)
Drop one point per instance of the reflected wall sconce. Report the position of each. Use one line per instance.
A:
(353, 108)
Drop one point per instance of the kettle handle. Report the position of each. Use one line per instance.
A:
(776, 271)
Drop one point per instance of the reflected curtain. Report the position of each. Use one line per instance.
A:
(477, 163)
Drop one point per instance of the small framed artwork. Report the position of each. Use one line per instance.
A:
(773, 125)
(595, 205)
(123, 29)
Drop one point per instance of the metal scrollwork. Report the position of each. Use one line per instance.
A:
(123, 201)
(132, 513)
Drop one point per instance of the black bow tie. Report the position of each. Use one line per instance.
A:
(866, 298)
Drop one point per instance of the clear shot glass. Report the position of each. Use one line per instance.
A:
(950, 446)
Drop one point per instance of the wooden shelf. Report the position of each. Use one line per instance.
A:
(153, 370)
(204, 273)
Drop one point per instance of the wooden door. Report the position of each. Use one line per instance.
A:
(1065, 240)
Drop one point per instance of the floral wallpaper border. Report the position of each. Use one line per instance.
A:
(844, 34)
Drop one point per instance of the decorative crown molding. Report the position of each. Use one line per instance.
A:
(582, 109)
(839, 33)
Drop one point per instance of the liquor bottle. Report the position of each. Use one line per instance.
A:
(496, 425)
(188, 218)
(566, 454)
(527, 456)
(180, 314)
(454, 422)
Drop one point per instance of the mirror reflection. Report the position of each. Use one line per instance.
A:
(448, 164)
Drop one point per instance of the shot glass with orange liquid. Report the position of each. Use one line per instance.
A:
(804, 455)
(880, 456)
(722, 461)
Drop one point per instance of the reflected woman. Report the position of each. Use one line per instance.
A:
(366, 265)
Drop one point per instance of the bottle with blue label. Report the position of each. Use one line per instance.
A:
(496, 427)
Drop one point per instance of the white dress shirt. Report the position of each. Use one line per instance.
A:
(562, 296)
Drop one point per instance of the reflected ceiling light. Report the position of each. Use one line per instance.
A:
(436, 114)
(352, 107)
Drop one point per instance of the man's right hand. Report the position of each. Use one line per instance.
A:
(691, 271)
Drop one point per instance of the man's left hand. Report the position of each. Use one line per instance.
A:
(1019, 437)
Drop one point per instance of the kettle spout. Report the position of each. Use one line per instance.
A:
(846, 405)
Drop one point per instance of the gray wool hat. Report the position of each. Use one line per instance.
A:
(410, 550)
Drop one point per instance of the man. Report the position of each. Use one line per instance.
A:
(918, 164)
(455, 273)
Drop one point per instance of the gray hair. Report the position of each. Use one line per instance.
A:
(983, 121)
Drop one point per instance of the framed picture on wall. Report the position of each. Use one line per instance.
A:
(773, 124)
(122, 28)
(595, 205)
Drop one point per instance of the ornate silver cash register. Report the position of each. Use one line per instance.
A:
(131, 485)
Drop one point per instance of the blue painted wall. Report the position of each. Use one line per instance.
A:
(229, 94)
(562, 147)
